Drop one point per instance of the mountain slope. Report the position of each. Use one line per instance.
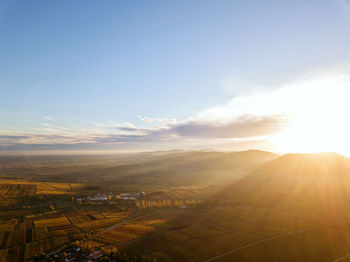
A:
(196, 167)
(295, 180)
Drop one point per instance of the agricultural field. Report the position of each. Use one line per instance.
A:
(37, 235)
(29, 228)
(17, 189)
(27, 237)
(13, 191)
(202, 222)
(90, 221)
(49, 188)
(242, 233)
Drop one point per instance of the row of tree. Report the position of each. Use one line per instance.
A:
(166, 203)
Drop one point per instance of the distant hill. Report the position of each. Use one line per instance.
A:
(151, 168)
(213, 159)
(193, 167)
(295, 180)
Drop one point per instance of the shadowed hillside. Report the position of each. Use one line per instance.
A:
(317, 181)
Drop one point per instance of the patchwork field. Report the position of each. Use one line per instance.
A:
(17, 189)
(190, 231)
(11, 191)
(25, 237)
(242, 221)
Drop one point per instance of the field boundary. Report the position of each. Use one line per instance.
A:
(271, 238)
(73, 224)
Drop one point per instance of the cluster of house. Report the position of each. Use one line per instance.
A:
(76, 254)
(104, 197)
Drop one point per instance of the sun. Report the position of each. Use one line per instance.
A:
(313, 135)
(320, 123)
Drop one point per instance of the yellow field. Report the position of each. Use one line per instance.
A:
(110, 214)
(57, 221)
(91, 225)
(7, 226)
(10, 190)
(15, 188)
(83, 217)
(33, 235)
(131, 230)
(55, 188)
(125, 233)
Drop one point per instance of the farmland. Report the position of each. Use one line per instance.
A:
(12, 191)
(30, 236)
(236, 221)
(204, 233)
(40, 217)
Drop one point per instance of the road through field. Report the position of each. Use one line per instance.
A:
(123, 221)
(271, 238)
(342, 258)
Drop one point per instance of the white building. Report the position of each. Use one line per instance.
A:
(98, 198)
(131, 196)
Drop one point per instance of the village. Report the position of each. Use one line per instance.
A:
(75, 253)
(110, 197)
(81, 250)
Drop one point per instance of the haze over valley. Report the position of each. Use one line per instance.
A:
(170, 131)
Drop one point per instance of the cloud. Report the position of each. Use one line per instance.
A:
(49, 118)
(261, 114)
(158, 122)
(245, 126)
(12, 137)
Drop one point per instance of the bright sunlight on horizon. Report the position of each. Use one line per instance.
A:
(225, 76)
(174, 131)
(318, 115)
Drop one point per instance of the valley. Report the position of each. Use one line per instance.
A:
(253, 206)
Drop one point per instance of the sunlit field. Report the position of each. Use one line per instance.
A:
(301, 213)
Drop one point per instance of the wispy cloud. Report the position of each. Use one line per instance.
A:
(158, 122)
(49, 118)
(244, 127)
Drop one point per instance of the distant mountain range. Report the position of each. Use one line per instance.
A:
(151, 168)
(192, 167)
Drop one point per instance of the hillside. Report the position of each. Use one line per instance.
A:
(317, 181)
(166, 168)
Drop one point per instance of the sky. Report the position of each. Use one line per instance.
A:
(158, 75)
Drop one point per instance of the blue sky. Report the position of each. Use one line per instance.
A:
(96, 67)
